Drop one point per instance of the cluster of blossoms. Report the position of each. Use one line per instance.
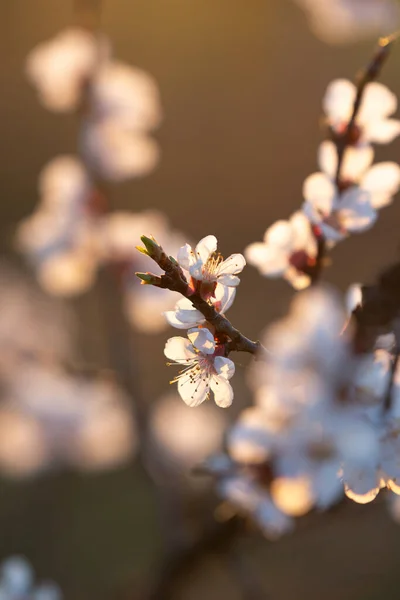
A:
(342, 21)
(345, 195)
(71, 234)
(52, 415)
(17, 582)
(318, 428)
(202, 354)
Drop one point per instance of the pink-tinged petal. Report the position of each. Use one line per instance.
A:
(382, 131)
(378, 102)
(382, 181)
(223, 392)
(280, 234)
(339, 100)
(226, 298)
(184, 318)
(179, 349)
(225, 367)
(202, 339)
(319, 191)
(233, 265)
(355, 211)
(271, 261)
(193, 391)
(186, 257)
(205, 247)
(229, 280)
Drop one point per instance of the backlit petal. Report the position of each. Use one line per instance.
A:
(378, 102)
(202, 339)
(179, 349)
(206, 246)
(223, 392)
(225, 367)
(339, 100)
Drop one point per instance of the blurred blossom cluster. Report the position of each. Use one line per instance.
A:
(119, 104)
(319, 426)
(344, 21)
(49, 415)
(17, 582)
(72, 233)
(344, 197)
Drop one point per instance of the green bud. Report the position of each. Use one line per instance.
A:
(152, 248)
(148, 278)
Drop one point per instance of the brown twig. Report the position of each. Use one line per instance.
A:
(174, 280)
(346, 138)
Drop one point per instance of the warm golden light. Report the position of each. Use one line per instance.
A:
(294, 496)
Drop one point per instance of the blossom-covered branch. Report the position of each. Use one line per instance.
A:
(175, 280)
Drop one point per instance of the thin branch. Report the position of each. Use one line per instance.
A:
(174, 280)
(367, 75)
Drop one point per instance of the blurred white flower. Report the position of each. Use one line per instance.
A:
(51, 418)
(251, 499)
(116, 153)
(203, 370)
(345, 21)
(184, 438)
(185, 315)
(17, 582)
(207, 267)
(337, 214)
(372, 123)
(381, 181)
(61, 67)
(64, 185)
(126, 95)
(289, 250)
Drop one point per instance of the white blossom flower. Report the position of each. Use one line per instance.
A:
(372, 123)
(345, 21)
(204, 371)
(17, 582)
(64, 185)
(59, 68)
(185, 315)
(289, 250)
(207, 266)
(127, 95)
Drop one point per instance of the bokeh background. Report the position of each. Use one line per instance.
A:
(241, 84)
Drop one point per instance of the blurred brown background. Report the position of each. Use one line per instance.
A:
(241, 83)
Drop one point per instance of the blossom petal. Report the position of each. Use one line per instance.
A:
(205, 247)
(304, 238)
(271, 261)
(223, 392)
(327, 158)
(224, 297)
(382, 131)
(233, 265)
(225, 367)
(229, 280)
(280, 235)
(378, 102)
(193, 391)
(182, 318)
(339, 100)
(186, 257)
(356, 161)
(382, 181)
(355, 210)
(202, 339)
(319, 191)
(179, 349)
